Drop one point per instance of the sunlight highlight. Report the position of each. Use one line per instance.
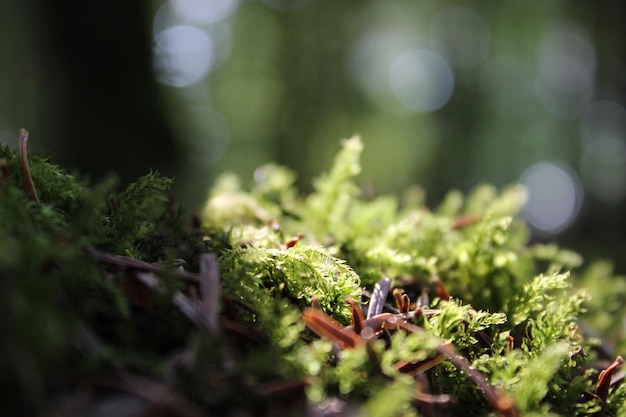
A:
(554, 197)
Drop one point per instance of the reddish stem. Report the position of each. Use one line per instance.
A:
(29, 185)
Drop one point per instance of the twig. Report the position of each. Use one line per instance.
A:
(210, 292)
(22, 153)
(503, 405)
(465, 220)
(604, 381)
(247, 332)
(131, 263)
(322, 324)
(4, 172)
(282, 389)
(189, 307)
(379, 295)
(204, 310)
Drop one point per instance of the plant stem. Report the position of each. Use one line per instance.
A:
(136, 264)
(29, 185)
(501, 404)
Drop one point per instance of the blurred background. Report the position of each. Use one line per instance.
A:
(445, 94)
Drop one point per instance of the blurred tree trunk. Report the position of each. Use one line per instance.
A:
(96, 108)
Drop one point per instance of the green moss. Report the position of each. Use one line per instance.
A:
(99, 284)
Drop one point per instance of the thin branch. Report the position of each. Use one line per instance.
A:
(324, 326)
(22, 153)
(604, 382)
(465, 220)
(4, 172)
(377, 301)
(502, 404)
(210, 292)
(131, 263)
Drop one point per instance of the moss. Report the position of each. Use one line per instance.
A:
(119, 294)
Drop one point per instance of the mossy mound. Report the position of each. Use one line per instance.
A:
(119, 302)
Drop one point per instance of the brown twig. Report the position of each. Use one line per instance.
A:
(357, 315)
(402, 301)
(131, 263)
(604, 382)
(247, 332)
(347, 337)
(282, 389)
(324, 326)
(4, 172)
(22, 153)
(502, 404)
(465, 220)
(441, 289)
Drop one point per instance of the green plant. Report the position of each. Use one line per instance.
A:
(278, 304)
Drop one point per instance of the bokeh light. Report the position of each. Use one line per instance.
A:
(566, 69)
(451, 94)
(182, 55)
(566, 59)
(554, 197)
(204, 11)
(421, 80)
(369, 62)
(603, 168)
(191, 38)
(407, 62)
(603, 118)
(603, 161)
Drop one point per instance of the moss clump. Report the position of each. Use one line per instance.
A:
(114, 299)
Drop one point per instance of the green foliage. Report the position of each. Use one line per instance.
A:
(409, 347)
(135, 214)
(529, 380)
(515, 322)
(454, 322)
(98, 281)
(534, 295)
(299, 274)
(391, 400)
(606, 307)
(55, 296)
(329, 207)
